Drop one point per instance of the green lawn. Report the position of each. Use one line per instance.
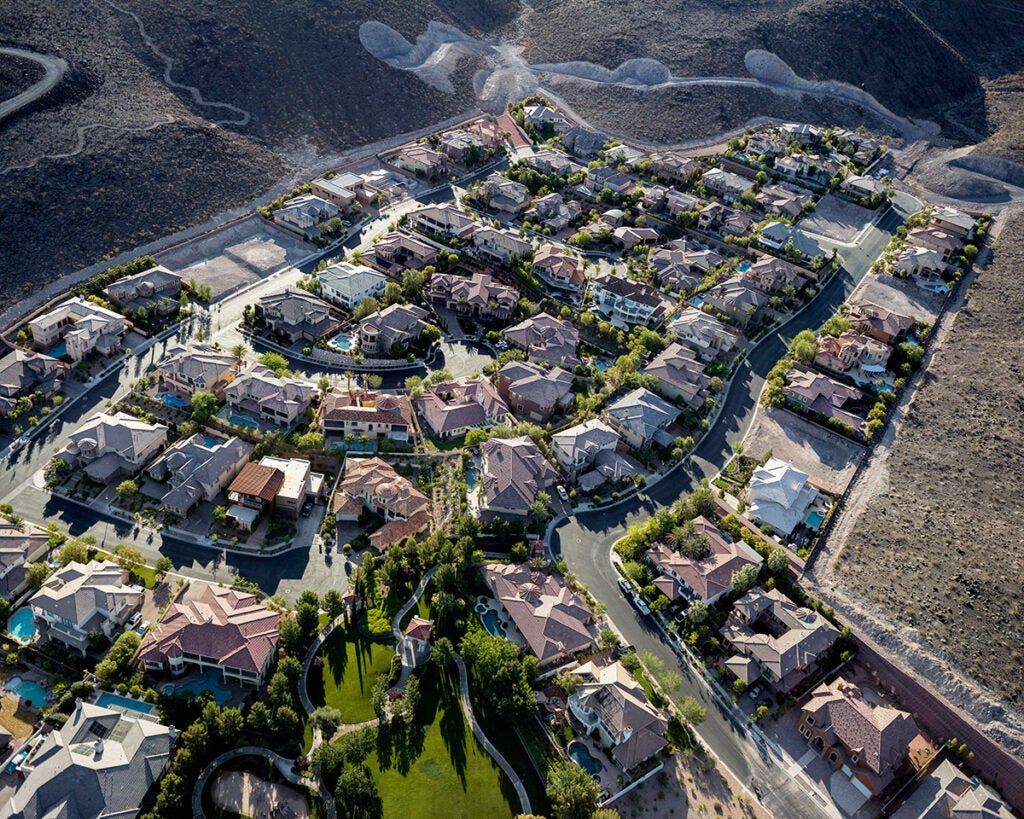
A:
(435, 767)
(351, 664)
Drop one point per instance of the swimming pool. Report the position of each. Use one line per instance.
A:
(210, 442)
(472, 476)
(172, 400)
(108, 700)
(743, 267)
(342, 342)
(21, 627)
(697, 301)
(210, 681)
(815, 519)
(581, 755)
(242, 421)
(29, 690)
(492, 623)
(57, 350)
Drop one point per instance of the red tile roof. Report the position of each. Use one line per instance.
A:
(259, 481)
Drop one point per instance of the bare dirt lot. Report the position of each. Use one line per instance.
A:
(246, 794)
(900, 295)
(836, 219)
(829, 459)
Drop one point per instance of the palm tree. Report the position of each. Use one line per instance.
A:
(239, 352)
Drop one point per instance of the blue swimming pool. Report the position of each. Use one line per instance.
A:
(57, 350)
(472, 477)
(172, 400)
(108, 700)
(210, 442)
(242, 421)
(29, 690)
(815, 519)
(743, 267)
(491, 622)
(697, 301)
(21, 627)
(581, 755)
(341, 342)
(210, 681)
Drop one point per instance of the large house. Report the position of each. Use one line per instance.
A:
(422, 160)
(816, 393)
(947, 245)
(197, 469)
(704, 333)
(781, 201)
(347, 284)
(444, 220)
(546, 339)
(154, 289)
(342, 190)
(780, 236)
(113, 446)
(454, 408)
(729, 186)
(98, 765)
(512, 472)
(861, 357)
(228, 630)
(577, 448)
(868, 742)
(500, 245)
(373, 484)
(612, 706)
(628, 237)
(281, 484)
(738, 299)
(83, 326)
(280, 400)
(705, 577)
(558, 268)
(672, 267)
(396, 251)
(607, 179)
(541, 117)
(775, 639)
(18, 548)
(459, 145)
(553, 619)
(719, 218)
(297, 315)
(505, 195)
(641, 418)
(674, 167)
(390, 330)
(780, 496)
(554, 211)
(187, 370)
(949, 793)
(478, 295)
(373, 414)
(23, 373)
(773, 275)
(535, 393)
(953, 221)
(305, 214)
(680, 375)
(879, 322)
(627, 303)
(80, 599)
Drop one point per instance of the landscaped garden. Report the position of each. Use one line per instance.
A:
(351, 663)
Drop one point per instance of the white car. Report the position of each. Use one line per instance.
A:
(562, 493)
(641, 606)
(133, 621)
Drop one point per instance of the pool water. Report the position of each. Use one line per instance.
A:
(581, 755)
(58, 350)
(815, 519)
(697, 301)
(342, 342)
(210, 442)
(28, 690)
(172, 400)
(472, 476)
(242, 421)
(106, 700)
(602, 364)
(21, 627)
(492, 623)
(208, 682)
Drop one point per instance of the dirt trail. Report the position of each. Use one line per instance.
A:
(54, 67)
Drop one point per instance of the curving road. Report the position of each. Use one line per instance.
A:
(584, 540)
(54, 67)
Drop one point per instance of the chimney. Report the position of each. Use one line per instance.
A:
(98, 747)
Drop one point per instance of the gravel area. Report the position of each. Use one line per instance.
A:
(837, 219)
(901, 295)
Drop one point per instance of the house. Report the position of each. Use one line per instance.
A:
(347, 284)
(479, 295)
(803, 133)
(763, 144)
(577, 447)
(869, 742)
(607, 178)
(629, 237)
(554, 212)
(719, 218)
(920, 261)
(949, 793)
(817, 393)
(546, 340)
(583, 142)
(389, 331)
(674, 167)
(738, 299)
(373, 484)
(296, 315)
(946, 244)
(671, 266)
(156, 289)
(462, 146)
(20, 545)
(197, 469)
(880, 323)
(534, 393)
(703, 333)
(396, 251)
(23, 373)
(79, 599)
(272, 398)
(612, 706)
(627, 303)
(854, 354)
(512, 472)
(276, 484)
(781, 201)
(186, 370)
(300, 483)
(641, 417)
(783, 641)
(624, 155)
(613, 217)
(728, 186)
(108, 447)
(773, 275)
(82, 325)
(505, 195)
(100, 763)
(381, 185)
(780, 496)
(444, 220)
(862, 187)
(555, 162)
(680, 375)
(558, 268)
(542, 117)
(373, 414)
(305, 214)
(422, 160)
(609, 466)
(780, 236)
(417, 636)
(553, 619)
(500, 246)
(489, 130)
(454, 408)
(341, 191)
(223, 629)
(954, 222)
(705, 577)
(677, 202)
(702, 260)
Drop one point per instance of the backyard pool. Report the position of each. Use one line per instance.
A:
(58, 350)
(29, 690)
(814, 520)
(242, 421)
(581, 755)
(697, 301)
(21, 627)
(210, 442)
(208, 682)
(108, 700)
(472, 476)
(172, 400)
(341, 342)
(743, 267)
(491, 622)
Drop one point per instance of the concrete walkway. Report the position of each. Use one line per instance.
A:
(517, 783)
(404, 649)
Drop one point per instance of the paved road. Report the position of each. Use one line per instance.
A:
(55, 68)
(585, 539)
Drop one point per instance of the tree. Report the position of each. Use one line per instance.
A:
(379, 695)
(692, 711)
(229, 726)
(286, 722)
(308, 617)
(128, 558)
(356, 794)
(239, 351)
(203, 405)
(36, 574)
(279, 690)
(504, 675)
(258, 717)
(163, 566)
(126, 490)
(697, 613)
(430, 334)
(74, 550)
(804, 347)
(334, 604)
(327, 719)
(116, 666)
(442, 653)
(219, 514)
(540, 509)
(405, 708)
(778, 561)
(739, 686)
(365, 308)
(276, 362)
(572, 791)
(291, 668)
(290, 636)
(412, 282)
(744, 579)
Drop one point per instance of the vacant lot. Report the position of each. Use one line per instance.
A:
(837, 219)
(939, 549)
(245, 794)
(900, 295)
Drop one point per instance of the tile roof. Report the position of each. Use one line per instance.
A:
(677, 366)
(78, 591)
(465, 404)
(258, 481)
(546, 339)
(642, 412)
(513, 471)
(419, 628)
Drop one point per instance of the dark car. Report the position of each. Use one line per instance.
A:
(307, 509)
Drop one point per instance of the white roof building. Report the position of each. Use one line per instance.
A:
(780, 496)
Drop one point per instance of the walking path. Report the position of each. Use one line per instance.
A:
(54, 67)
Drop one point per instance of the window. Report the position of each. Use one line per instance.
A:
(854, 758)
(810, 720)
(832, 757)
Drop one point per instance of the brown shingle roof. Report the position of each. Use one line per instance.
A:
(263, 482)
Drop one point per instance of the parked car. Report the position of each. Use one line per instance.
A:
(346, 223)
(641, 606)
(133, 621)
(755, 692)
(144, 627)
(307, 509)
(562, 493)
(624, 585)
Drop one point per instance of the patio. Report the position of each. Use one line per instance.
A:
(511, 633)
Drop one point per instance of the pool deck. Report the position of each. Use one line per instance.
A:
(512, 633)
